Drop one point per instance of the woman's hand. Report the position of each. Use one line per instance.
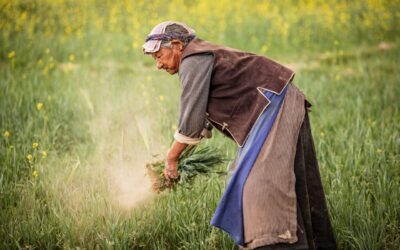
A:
(171, 169)
(171, 164)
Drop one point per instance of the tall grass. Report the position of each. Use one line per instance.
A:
(82, 110)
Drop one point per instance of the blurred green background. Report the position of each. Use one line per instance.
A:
(82, 110)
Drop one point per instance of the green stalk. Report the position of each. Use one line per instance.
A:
(192, 162)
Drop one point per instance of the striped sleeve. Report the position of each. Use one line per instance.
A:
(195, 75)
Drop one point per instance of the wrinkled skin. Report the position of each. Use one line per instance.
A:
(169, 59)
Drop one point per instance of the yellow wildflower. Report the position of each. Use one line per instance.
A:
(11, 54)
(161, 98)
(47, 51)
(44, 154)
(35, 145)
(29, 157)
(6, 134)
(264, 49)
(39, 106)
(71, 57)
(35, 174)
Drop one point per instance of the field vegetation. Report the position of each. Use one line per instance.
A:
(82, 110)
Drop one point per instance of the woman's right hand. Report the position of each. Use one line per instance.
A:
(171, 169)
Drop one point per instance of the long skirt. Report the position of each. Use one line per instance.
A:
(275, 200)
(314, 229)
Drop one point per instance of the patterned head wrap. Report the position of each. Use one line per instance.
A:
(159, 35)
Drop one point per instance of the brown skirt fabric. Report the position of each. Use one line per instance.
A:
(283, 201)
(314, 226)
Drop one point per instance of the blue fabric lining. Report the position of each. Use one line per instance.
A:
(228, 215)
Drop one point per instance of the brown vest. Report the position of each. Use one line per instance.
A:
(235, 100)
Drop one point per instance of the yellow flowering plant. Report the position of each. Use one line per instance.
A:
(6, 134)
(39, 105)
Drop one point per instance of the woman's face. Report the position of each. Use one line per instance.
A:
(168, 59)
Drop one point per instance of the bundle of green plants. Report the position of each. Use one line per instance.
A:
(192, 162)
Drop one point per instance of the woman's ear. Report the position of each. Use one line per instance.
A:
(177, 44)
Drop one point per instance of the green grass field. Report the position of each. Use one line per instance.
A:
(82, 110)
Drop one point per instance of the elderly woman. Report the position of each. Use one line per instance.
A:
(274, 198)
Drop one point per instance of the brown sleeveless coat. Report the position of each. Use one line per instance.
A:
(235, 100)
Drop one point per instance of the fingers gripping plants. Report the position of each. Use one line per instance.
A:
(192, 162)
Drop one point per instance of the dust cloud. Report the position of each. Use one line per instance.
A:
(128, 184)
(112, 176)
(125, 140)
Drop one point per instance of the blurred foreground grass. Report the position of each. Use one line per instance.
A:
(82, 110)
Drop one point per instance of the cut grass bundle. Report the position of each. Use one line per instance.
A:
(192, 162)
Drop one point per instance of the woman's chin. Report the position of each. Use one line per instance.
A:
(171, 72)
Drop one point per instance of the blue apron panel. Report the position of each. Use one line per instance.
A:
(228, 215)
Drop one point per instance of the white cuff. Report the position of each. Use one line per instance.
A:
(184, 139)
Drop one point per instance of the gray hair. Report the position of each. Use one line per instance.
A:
(176, 29)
